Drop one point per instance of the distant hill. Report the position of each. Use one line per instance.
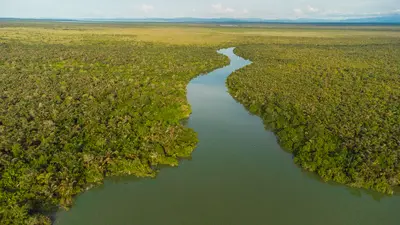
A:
(387, 19)
(395, 18)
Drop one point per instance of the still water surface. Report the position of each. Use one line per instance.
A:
(238, 175)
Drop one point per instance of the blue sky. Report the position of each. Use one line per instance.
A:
(269, 9)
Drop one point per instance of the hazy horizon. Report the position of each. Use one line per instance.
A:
(265, 9)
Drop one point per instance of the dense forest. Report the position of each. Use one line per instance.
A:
(333, 102)
(82, 102)
(72, 113)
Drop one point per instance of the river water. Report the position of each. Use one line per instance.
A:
(238, 175)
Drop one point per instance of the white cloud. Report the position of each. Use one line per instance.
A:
(229, 10)
(307, 11)
(312, 9)
(219, 8)
(245, 11)
(147, 8)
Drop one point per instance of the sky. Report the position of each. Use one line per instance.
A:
(268, 9)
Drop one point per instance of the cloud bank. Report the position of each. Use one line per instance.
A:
(266, 9)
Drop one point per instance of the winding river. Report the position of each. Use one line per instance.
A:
(238, 175)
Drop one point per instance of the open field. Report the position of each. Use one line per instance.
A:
(79, 102)
(183, 34)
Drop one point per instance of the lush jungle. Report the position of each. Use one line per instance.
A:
(81, 102)
(335, 104)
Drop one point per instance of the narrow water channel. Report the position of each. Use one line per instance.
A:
(238, 175)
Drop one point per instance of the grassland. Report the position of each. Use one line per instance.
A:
(83, 101)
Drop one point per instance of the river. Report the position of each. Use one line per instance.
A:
(238, 175)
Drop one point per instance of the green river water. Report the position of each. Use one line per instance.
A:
(238, 175)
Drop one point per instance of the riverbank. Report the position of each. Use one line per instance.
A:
(333, 103)
(237, 175)
(80, 102)
(77, 108)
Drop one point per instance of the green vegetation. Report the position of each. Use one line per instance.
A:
(72, 113)
(81, 102)
(333, 102)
